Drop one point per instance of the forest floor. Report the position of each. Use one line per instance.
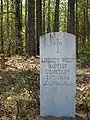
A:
(20, 93)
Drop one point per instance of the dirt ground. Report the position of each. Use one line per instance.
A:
(15, 77)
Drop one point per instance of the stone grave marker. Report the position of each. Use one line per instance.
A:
(57, 74)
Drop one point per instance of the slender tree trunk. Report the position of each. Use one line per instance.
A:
(56, 19)
(12, 31)
(2, 42)
(84, 25)
(43, 25)
(65, 16)
(8, 40)
(21, 10)
(52, 18)
(77, 29)
(31, 42)
(26, 50)
(21, 20)
(18, 27)
(68, 16)
(84, 29)
(71, 19)
(38, 22)
(48, 29)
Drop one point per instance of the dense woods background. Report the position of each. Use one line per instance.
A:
(22, 22)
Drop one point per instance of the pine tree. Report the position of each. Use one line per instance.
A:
(18, 26)
(31, 42)
(38, 22)
(56, 19)
(1, 30)
(71, 17)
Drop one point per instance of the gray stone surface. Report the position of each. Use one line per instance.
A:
(57, 74)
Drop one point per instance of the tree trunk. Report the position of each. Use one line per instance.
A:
(77, 29)
(2, 42)
(18, 25)
(38, 22)
(48, 29)
(71, 17)
(84, 29)
(8, 40)
(21, 20)
(65, 16)
(56, 19)
(26, 50)
(21, 10)
(31, 42)
(12, 31)
(43, 25)
(3, 66)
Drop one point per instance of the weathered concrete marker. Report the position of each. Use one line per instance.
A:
(57, 74)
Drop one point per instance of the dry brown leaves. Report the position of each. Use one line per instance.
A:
(16, 63)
